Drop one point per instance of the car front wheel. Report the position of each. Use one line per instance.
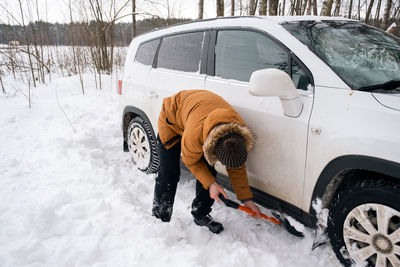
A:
(364, 224)
(142, 145)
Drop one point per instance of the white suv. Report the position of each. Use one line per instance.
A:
(332, 131)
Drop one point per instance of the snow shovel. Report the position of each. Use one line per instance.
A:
(282, 221)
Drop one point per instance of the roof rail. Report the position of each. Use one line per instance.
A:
(200, 20)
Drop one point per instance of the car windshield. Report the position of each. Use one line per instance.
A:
(363, 56)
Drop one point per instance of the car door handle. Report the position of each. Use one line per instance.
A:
(152, 95)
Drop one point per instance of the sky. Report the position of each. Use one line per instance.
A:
(57, 10)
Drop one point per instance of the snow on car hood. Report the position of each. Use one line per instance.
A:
(388, 100)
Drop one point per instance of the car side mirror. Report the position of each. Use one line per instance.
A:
(274, 82)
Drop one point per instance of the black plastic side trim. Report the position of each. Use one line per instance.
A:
(367, 163)
(211, 54)
(138, 112)
(155, 59)
(204, 53)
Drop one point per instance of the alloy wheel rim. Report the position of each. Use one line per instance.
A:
(139, 147)
(371, 234)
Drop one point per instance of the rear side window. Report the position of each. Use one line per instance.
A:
(181, 52)
(146, 51)
(239, 53)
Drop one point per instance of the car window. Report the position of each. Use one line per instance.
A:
(239, 53)
(299, 76)
(146, 51)
(361, 55)
(181, 52)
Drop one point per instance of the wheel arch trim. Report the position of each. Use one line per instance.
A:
(351, 162)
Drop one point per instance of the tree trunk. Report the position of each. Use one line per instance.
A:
(273, 7)
(368, 14)
(309, 7)
(303, 9)
(252, 7)
(298, 7)
(283, 8)
(220, 8)
(133, 19)
(201, 9)
(337, 8)
(350, 9)
(315, 8)
(377, 14)
(2, 86)
(29, 51)
(262, 9)
(41, 44)
(232, 8)
(386, 15)
(359, 10)
(326, 8)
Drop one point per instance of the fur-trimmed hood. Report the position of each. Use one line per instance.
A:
(222, 130)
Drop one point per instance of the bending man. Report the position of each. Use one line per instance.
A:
(205, 129)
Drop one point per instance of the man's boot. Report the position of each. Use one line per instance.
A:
(207, 220)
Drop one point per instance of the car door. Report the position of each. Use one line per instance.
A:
(177, 67)
(276, 165)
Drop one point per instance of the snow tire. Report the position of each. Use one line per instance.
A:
(370, 197)
(142, 145)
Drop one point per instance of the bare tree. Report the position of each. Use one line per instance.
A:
(76, 58)
(298, 7)
(386, 15)
(283, 8)
(201, 9)
(368, 14)
(337, 8)
(377, 13)
(262, 9)
(232, 8)
(273, 7)
(29, 54)
(220, 8)
(326, 8)
(303, 5)
(133, 19)
(309, 6)
(252, 7)
(42, 67)
(2, 85)
(240, 7)
(315, 8)
(350, 9)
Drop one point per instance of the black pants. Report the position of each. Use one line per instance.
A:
(167, 181)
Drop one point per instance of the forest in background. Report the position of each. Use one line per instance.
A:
(59, 34)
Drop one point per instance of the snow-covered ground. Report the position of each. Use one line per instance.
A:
(69, 196)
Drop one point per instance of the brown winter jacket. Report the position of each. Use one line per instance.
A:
(189, 116)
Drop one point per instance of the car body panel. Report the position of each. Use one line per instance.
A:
(342, 118)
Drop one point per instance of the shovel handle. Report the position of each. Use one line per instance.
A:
(233, 204)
